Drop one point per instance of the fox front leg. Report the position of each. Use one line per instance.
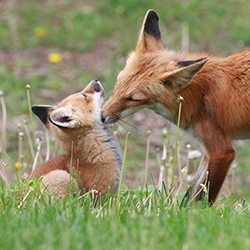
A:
(201, 177)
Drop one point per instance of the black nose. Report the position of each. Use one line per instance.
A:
(102, 119)
(96, 85)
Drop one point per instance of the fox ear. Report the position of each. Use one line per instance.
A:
(184, 73)
(63, 118)
(150, 35)
(42, 112)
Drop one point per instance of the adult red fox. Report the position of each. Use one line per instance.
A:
(92, 154)
(216, 94)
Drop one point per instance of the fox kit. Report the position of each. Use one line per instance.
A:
(215, 91)
(92, 154)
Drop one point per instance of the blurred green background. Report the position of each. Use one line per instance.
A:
(92, 39)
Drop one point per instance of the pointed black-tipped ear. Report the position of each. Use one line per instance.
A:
(150, 36)
(184, 72)
(42, 112)
(151, 25)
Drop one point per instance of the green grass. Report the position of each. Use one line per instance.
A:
(94, 39)
(141, 220)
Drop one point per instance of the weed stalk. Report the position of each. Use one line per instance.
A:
(19, 163)
(147, 158)
(32, 122)
(180, 99)
(4, 120)
(163, 162)
(37, 154)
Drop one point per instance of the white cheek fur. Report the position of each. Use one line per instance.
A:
(98, 101)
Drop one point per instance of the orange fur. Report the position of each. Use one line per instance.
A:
(92, 154)
(216, 94)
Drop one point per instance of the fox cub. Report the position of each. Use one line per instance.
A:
(215, 93)
(92, 159)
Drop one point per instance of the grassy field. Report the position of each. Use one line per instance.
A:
(50, 49)
(139, 220)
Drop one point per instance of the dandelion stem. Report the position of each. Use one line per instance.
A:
(147, 158)
(4, 121)
(123, 165)
(176, 143)
(37, 154)
(29, 140)
(30, 112)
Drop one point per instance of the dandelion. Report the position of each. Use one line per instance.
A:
(55, 57)
(40, 32)
(18, 165)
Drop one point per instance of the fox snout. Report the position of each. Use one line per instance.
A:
(109, 119)
(94, 86)
(97, 86)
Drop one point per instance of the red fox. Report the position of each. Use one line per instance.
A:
(215, 91)
(92, 154)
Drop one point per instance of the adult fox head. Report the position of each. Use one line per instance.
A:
(152, 78)
(75, 115)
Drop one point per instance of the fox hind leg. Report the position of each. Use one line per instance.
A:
(59, 183)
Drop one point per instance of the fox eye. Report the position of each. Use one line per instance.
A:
(130, 99)
(85, 96)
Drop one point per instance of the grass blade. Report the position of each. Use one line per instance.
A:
(123, 164)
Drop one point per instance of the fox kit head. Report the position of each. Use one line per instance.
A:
(152, 76)
(75, 115)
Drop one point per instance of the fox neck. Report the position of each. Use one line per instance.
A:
(92, 147)
(192, 107)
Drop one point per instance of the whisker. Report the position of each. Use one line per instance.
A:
(128, 125)
(134, 132)
(148, 117)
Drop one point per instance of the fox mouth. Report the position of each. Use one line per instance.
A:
(109, 119)
(114, 117)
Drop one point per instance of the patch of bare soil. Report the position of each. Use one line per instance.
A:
(97, 59)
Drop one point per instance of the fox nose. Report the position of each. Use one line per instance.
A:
(102, 118)
(96, 85)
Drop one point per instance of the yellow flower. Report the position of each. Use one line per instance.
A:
(18, 165)
(40, 32)
(55, 57)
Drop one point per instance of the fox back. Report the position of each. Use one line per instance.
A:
(92, 154)
(215, 91)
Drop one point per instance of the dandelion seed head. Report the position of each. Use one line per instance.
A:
(234, 165)
(4, 164)
(180, 99)
(189, 178)
(164, 131)
(194, 154)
